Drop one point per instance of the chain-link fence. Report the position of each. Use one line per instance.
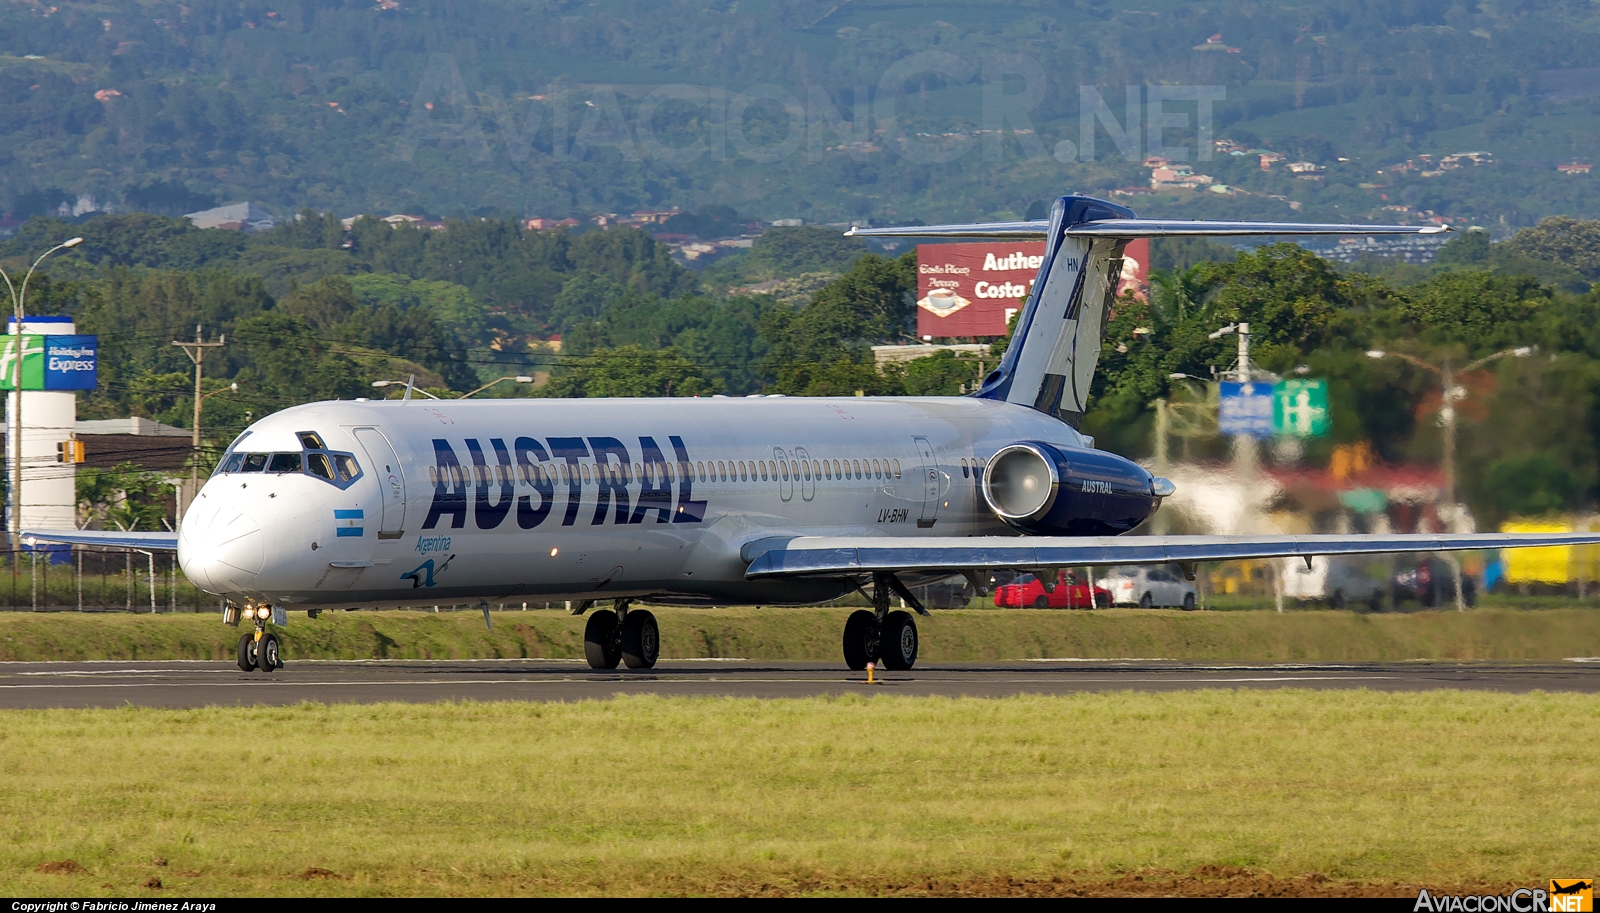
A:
(92, 579)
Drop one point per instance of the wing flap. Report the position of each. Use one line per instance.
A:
(833, 557)
(150, 542)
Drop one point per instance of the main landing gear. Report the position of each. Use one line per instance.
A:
(259, 649)
(881, 634)
(629, 637)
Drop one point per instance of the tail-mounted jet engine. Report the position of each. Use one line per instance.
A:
(1047, 490)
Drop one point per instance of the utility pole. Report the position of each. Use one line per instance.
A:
(197, 353)
(1449, 393)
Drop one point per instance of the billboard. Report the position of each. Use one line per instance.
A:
(51, 362)
(973, 289)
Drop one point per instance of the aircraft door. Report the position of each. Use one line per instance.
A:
(808, 481)
(385, 466)
(930, 483)
(785, 483)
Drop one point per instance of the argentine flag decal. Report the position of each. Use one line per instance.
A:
(348, 523)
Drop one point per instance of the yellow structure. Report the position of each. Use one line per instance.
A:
(1557, 565)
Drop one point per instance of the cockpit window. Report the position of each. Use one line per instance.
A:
(348, 467)
(340, 469)
(284, 462)
(319, 465)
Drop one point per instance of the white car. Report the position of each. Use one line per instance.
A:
(1336, 581)
(1148, 586)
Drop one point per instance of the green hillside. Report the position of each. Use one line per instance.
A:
(807, 109)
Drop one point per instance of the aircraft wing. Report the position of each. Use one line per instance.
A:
(848, 556)
(105, 538)
(1140, 228)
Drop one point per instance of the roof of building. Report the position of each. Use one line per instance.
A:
(141, 427)
(244, 216)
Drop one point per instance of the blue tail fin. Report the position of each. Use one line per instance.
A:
(1051, 361)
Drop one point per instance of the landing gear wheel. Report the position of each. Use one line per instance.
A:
(1146, 602)
(267, 654)
(247, 652)
(860, 639)
(1040, 602)
(1188, 602)
(600, 640)
(899, 641)
(641, 640)
(1336, 601)
(1102, 600)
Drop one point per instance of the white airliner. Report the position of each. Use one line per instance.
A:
(761, 500)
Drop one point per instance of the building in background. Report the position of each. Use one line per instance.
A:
(56, 363)
(245, 217)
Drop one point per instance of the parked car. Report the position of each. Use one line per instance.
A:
(1430, 582)
(1336, 581)
(1149, 586)
(1070, 593)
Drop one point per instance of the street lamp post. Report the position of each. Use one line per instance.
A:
(1449, 393)
(19, 297)
(519, 378)
(409, 383)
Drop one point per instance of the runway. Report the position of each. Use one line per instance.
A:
(198, 684)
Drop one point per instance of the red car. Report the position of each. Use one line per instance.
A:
(1070, 593)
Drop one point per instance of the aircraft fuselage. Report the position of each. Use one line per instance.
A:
(501, 500)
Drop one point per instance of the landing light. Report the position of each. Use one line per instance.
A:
(263, 613)
(553, 552)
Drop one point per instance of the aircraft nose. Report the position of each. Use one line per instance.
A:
(220, 548)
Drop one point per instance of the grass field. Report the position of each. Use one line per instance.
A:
(813, 634)
(857, 794)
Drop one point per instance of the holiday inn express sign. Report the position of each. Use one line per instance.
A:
(50, 362)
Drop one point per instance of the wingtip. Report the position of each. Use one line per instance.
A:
(1435, 230)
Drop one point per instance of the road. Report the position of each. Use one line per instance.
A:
(198, 684)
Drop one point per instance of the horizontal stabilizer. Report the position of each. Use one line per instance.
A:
(1140, 228)
(847, 556)
(104, 538)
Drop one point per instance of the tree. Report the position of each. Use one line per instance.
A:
(631, 371)
(872, 303)
(1564, 240)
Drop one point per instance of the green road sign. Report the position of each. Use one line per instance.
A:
(32, 362)
(1300, 408)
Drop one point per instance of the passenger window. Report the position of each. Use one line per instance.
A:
(897, 469)
(310, 440)
(284, 462)
(254, 462)
(319, 465)
(964, 472)
(348, 467)
(583, 469)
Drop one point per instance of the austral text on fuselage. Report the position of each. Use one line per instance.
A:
(558, 461)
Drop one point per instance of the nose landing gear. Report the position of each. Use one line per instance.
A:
(259, 649)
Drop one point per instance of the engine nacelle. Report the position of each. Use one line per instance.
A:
(1048, 490)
